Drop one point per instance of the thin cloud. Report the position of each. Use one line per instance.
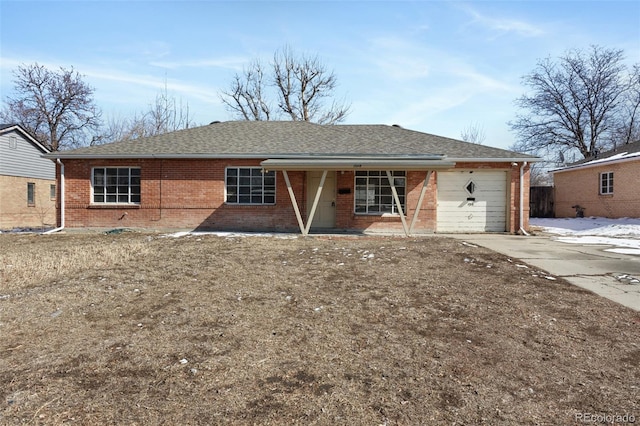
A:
(399, 58)
(189, 91)
(504, 25)
(234, 63)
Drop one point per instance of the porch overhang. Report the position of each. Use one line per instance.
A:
(388, 165)
(339, 164)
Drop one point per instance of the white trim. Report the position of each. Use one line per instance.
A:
(375, 164)
(114, 204)
(23, 132)
(599, 163)
(609, 187)
(61, 227)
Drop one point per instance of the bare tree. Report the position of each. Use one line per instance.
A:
(57, 107)
(628, 127)
(301, 86)
(165, 114)
(574, 103)
(539, 174)
(473, 133)
(246, 97)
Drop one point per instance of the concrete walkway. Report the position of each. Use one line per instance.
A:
(611, 275)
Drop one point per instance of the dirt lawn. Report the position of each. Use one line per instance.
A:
(144, 329)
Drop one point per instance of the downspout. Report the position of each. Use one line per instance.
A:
(51, 231)
(521, 216)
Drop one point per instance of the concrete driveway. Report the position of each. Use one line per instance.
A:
(612, 275)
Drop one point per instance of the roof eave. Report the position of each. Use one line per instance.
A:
(356, 164)
(598, 164)
(310, 157)
(495, 159)
(18, 128)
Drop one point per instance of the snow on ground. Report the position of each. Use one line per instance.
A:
(623, 234)
(231, 234)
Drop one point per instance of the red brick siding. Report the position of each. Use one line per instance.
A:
(175, 194)
(582, 187)
(190, 194)
(347, 219)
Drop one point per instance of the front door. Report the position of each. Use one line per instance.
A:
(325, 215)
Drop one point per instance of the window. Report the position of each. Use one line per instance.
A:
(250, 185)
(606, 183)
(470, 187)
(52, 192)
(31, 194)
(116, 185)
(373, 192)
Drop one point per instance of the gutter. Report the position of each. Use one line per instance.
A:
(61, 227)
(596, 163)
(288, 156)
(522, 199)
(355, 164)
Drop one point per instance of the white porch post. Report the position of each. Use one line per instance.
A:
(397, 200)
(295, 203)
(420, 200)
(316, 200)
(305, 229)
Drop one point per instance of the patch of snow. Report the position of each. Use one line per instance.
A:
(624, 251)
(623, 234)
(593, 226)
(231, 234)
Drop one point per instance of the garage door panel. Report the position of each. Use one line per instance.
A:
(481, 211)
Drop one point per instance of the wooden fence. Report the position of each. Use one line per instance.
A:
(541, 201)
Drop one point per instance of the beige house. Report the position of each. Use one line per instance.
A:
(604, 186)
(27, 181)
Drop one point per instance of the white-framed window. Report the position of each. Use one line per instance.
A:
(250, 185)
(31, 194)
(606, 183)
(52, 192)
(115, 185)
(374, 195)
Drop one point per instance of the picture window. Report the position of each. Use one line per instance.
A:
(250, 185)
(374, 194)
(116, 185)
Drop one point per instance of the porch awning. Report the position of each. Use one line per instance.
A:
(357, 163)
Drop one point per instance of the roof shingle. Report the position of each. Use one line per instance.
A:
(285, 139)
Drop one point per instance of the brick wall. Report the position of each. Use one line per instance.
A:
(15, 212)
(175, 194)
(582, 187)
(190, 194)
(347, 219)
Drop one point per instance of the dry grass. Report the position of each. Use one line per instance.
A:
(138, 329)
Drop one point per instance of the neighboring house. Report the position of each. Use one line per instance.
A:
(292, 175)
(27, 181)
(604, 186)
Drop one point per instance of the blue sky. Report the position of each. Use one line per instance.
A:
(432, 66)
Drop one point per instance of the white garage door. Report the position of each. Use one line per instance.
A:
(472, 201)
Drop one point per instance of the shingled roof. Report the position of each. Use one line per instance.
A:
(626, 152)
(294, 139)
